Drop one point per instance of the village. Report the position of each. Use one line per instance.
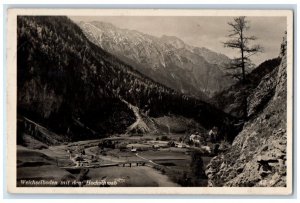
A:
(169, 154)
(86, 155)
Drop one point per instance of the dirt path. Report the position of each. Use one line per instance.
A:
(139, 123)
(136, 113)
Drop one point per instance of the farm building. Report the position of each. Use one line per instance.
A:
(133, 150)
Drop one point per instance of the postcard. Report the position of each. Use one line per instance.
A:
(149, 101)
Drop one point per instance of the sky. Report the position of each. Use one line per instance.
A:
(204, 31)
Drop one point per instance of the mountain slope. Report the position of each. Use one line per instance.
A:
(258, 153)
(231, 99)
(167, 60)
(75, 89)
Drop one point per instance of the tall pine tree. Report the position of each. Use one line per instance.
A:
(241, 41)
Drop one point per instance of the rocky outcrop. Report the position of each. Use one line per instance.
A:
(259, 89)
(257, 156)
(262, 94)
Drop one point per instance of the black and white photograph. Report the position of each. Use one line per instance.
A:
(180, 100)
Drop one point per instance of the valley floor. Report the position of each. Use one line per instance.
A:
(141, 162)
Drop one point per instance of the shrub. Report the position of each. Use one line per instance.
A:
(164, 138)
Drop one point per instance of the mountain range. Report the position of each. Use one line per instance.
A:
(167, 59)
(76, 89)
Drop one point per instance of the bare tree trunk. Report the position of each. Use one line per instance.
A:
(244, 104)
(243, 60)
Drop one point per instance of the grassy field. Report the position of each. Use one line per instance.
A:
(141, 176)
(164, 155)
(35, 165)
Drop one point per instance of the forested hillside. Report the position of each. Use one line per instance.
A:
(76, 89)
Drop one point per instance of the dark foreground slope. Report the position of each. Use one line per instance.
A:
(75, 89)
(258, 153)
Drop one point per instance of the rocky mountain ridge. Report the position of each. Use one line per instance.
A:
(167, 60)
